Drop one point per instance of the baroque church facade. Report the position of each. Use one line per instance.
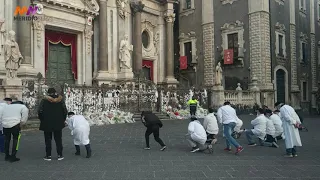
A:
(276, 42)
(86, 41)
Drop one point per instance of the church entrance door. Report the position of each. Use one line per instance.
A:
(147, 68)
(59, 64)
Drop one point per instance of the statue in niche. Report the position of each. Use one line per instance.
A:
(218, 74)
(125, 50)
(13, 55)
(122, 4)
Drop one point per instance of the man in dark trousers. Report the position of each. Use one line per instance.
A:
(52, 113)
(193, 103)
(153, 124)
(12, 117)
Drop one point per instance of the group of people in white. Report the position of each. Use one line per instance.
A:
(268, 128)
(53, 117)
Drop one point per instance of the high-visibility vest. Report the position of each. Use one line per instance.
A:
(192, 102)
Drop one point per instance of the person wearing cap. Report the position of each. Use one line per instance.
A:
(270, 139)
(197, 136)
(259, 128)
(3, 103)
(193, 103)
(290, 124)
(52, 113)
(227, 116)
(12, 116)
(153, 124)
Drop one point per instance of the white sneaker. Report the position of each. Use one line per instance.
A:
(60, 158)
(163, 148)
(146, 148)
(195, 150)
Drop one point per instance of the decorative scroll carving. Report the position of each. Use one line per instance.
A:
(303, 37)
(169, 17)
(88, 34)
(280, 28)
(230, 26)
(136, 6)
(280, 2)
(122, 5)
(38, 26)
(227, 1)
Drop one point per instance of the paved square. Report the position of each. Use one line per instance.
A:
(118, 154)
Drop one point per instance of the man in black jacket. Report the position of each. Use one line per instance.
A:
(52, 114)
(153, 124)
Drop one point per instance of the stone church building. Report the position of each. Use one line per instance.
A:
(86, 41)
(276, 42)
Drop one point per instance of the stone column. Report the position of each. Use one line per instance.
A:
(293, 57)
(259, 32)
(103, 41)
(260, 51)
(208, 46)
(137, 8)
(313, 54)
(103, 76)
(39, 46)
(170, 17)
(24, 36)
(88, 56)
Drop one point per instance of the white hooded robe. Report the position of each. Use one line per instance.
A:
(289, 118)
(80, 129)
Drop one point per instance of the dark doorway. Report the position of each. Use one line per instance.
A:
(281, 87)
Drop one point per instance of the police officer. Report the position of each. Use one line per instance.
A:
(193, 103)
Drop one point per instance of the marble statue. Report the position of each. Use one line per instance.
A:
(218, 77)
(125, 50)
(13, 55)
(122, 4)
(2, 34)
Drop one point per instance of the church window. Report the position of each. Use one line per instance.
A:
(145, 39)
(233, 43)
(188, 51)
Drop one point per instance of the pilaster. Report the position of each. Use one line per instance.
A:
(208, 41)
(170, 18)
(88, 56)
(24, 36)
(137, 8)
(259, 32)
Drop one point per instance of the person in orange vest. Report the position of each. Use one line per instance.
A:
(193, 103)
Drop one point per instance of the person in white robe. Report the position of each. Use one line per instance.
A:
(277, 124)
(3, 103)
(270, 139)
(197, 136)
(210, 124)
(80, 130)
(259, 128)
(290, 123)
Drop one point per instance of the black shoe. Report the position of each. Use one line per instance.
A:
(163, 148)
(77, 153)
(7, 158)
(47, 158)
(14, 159)
(88, 148)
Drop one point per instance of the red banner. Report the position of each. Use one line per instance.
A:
(228, 56)
(183, 62)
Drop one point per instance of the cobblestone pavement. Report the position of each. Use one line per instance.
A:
(118, 154)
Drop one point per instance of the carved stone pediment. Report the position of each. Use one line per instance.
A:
(228, 1)
(280, 28)
(89, 6)
(303, 37)
(190, 34)
(230, 26)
